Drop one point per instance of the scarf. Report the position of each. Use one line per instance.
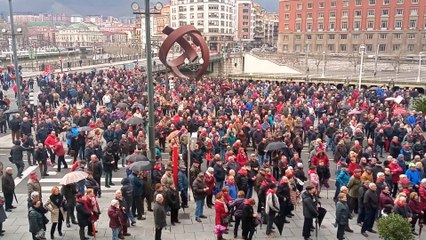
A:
(272, 191)
(57, 200)
(357, 175)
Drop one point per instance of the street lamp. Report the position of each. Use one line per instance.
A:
(193, 67)
(419, 74)
(323, 65)
(137, 10)
(362, 51)
(15, 55)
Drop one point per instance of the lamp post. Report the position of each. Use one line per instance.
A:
(15, 55)
(419, 73)
(193, 67)
(323, 65)
(362, 51)
(137, 10)
(307, 61)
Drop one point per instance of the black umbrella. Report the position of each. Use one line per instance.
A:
(141, 166)
(84, 129)
(275, 146)
(122, 105)
(136, 158)
(11, 111)
(321, 214)
(134, 121)
(231, 92)
(279, 222)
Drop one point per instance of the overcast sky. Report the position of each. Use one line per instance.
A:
(91, 7)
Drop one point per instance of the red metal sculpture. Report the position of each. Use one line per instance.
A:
(177, 36)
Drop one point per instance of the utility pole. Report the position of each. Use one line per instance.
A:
(306, 61)
(323, 64)
(15, 58)
(376, 57)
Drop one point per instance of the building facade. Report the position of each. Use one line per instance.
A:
(214, 19)
(82, 34)
(387, 27)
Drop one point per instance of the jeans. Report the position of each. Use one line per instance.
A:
(249, 193)
(199, 207)
(108, 177)
(184, 197)
(340, 231)
(61, 160)
(307, 225)
(379, 149)
(370, 216)
(361, 215)
(270, 221)
(237, 225)
(261, 159)
(115, 232)
(219, 185)
(331, 144)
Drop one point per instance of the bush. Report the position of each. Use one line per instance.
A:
(419, 105)
(395, 227)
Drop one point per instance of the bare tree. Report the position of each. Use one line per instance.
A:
(396, 63)
(354, 59)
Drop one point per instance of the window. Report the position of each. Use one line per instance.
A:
(385, 12)
(321, 15)
(370, 12)
(309, 36)
(384, 24)
(411, 36)
(370, 24)
(369, 47)
(414, 1)
(331, 36)
(332, 26)
(309, 15)
(320, 26)
(382, 47)
(386, 2)
(298, 37)
(397, 35)
(383, 35)
(320, 37)
(345, 14)
(344, 25)
(332, 14)
(413, 23)
(355, 36)
(358, 13)
(310, 5)
(309, 26)
(318, 48)
(396, 47)
(321, 5)
(286, 16)
(285, 37)
(343, 36)
(358, 2)
(399, 12)
(299, 16)
(399, 1)
(410, 47)
(355, 47)
(357, 25)
(333, 4)
(298, 26)
(287, 7)
(398, 24)
(286, 26)
(330, 47)
(299, 6)
(343, 47)
(413, 12)
(372, 2)
(369, 36)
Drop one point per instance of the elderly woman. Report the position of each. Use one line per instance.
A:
(222, 212)
(33, 185)
(159, 216)
(55, 204)
(37, 220)
(115, 218)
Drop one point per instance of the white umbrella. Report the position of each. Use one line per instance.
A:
(73, 177)
(390, 99)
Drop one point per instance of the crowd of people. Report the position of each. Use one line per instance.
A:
(248, 151)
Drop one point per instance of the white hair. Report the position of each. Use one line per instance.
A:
(118, 191)
(423, 181)
(158, 197)
(34, 195)
(300, 165)
(114, 202)
(380, 174)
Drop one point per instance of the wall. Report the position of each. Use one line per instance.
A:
(253, 64)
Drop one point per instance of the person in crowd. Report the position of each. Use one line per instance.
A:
(108, 163)
(272, 207)
(93, 205)
(353, 191)
(309, 211)
(199, 190)
(33, 185)
(416, 211)
(3, 216)
(342, 215)
(16, 157)
(413, 175)
(115, 218)
(183, 185)
(83, 215)
(40, 157)
(95, 167)
(173, 202)
(386, 202)
(249, 219)
(167, 179)
(236, 207)
(8, 189)
(69, 192)
(210, 182)
(222, 212)
(37, 220)
(137, 206)
(55, 204)
(58, 149)
(123, 216)
(159, 216)
(50, 142)
(370, 202)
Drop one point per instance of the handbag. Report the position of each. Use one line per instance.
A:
(225, 219)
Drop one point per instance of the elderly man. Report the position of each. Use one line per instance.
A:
(95, 166)
(8, 188)
(14, 125)
(370, 201)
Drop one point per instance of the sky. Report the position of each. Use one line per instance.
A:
(115, 8)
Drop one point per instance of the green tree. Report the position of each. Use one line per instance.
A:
(394, 227)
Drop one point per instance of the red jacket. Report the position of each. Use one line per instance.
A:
(219, 206)
(316, 159)
(50, 141)
(115, 217)
(209, 180)
(242, 159)
(59, 149)
(422, 195)
(396, 170)
(352, 167)
(415, 206)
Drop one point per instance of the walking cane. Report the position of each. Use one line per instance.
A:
(316, 228)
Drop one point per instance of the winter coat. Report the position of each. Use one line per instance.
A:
(237, 207)
(69, 191)
(396, 170)
(16, 153)
(96, 169)
(182, 181)
(342, 213)
(3, 216)
(167, 181)
(107, 162)
(159, 216)
(232, 190)
(242, 181)
(210, 182)
(272, 203)
(342, 179)
(54, 209)
(248, 221)
(413, 176)
(371, 200)
(219, 173)
(7, 183)
(83, 213)
(127, 190)
(115, 217)
(309, 207)
(415, 207)
(353, 187)
(40, 155)
(59, 149)
(198, 189)
(385, 202)
(402, 209)
(137, 184)
(172, 199)
(36, 220)
(422, 195)
(33, 186)
(221, 211)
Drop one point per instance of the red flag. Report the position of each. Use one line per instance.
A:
(175, 164)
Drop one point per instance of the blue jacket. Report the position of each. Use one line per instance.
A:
(232, 190)
(342, 179)
(413, 176)
(182, 181)
(137, 184)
